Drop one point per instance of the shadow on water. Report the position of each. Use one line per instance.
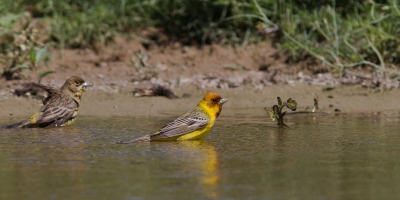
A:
(344, 156)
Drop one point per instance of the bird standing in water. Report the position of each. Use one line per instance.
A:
(193, 125)
(60, 108)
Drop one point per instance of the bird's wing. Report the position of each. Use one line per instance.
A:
(58, 110)
(52, 93)
(188, 122)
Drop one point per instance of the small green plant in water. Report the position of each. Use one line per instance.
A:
(275, 112)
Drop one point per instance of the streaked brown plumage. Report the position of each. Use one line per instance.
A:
(61, 106)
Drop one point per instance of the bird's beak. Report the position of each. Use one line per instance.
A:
(222, 101)
(85, 84)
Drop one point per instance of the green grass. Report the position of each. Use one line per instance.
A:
(368, 36)
(341, 34)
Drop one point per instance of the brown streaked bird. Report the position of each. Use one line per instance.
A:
(193, 125)
(60, 108)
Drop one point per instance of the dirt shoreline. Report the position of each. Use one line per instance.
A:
(242, 102)
(250, 77)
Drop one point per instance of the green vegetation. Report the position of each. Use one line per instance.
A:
(365, 35)
(20, 48)
(340, 34)
(275, 112)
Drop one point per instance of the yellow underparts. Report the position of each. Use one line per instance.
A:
(200, 133)
(72, 119)
(69, 122)
(195, 135)
(33, 119)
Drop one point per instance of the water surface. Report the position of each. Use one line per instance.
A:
(319, 157)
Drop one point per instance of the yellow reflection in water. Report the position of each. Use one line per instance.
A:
(207, 159)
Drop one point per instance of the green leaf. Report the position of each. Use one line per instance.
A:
(276, 110)
(40, 54)
(32, 57)
(271, 113)
(291, 104)
(9, 19)
(45, 73)
(21, 67)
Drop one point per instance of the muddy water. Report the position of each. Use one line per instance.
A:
(319, 157)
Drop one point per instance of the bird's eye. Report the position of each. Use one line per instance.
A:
(214, 100)
(77, 83)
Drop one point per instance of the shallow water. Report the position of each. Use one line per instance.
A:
(319, 157)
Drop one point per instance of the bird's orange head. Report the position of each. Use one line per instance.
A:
(212, 102)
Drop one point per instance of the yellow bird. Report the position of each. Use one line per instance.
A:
(61, 106)
(193, 125)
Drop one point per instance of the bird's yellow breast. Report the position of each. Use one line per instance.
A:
(201, 133)
(198, 134)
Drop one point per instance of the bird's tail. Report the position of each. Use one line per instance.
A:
(145, 138)
(18, 125)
